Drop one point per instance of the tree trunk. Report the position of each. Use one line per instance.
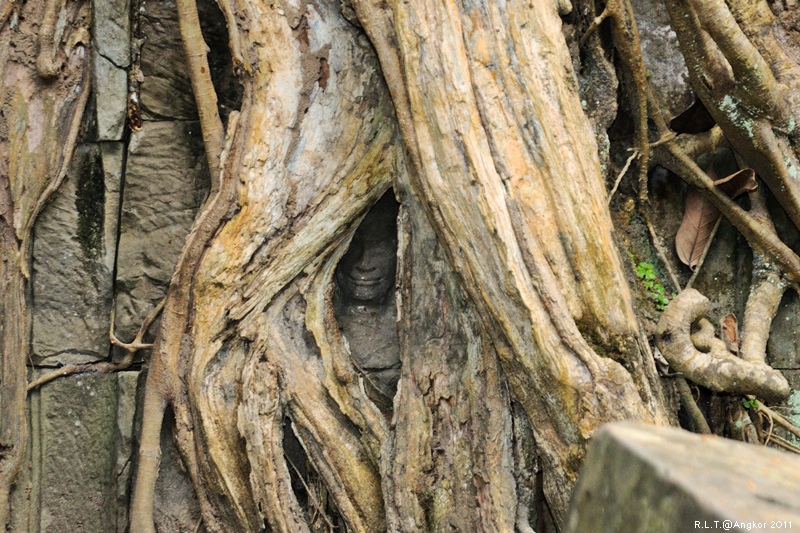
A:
(519, 244)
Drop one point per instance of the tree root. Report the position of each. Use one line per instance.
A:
(46, 65)
(621, 174)
(163, 374)
(55, 182)
(778, 419)
(18, 221)
(204, 94)
(740, 89)
(690, 405)
(105, 367)
(626, 41)
(6, 8)
(718, 369)
(765, 413)
(766, 292)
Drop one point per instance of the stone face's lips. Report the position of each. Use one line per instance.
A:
(366, 282)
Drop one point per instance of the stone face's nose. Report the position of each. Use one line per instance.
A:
(365, 267)
(375, 259)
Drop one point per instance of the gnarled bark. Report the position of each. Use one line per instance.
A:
(484, 96)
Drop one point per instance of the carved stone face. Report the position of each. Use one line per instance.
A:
(366, 272)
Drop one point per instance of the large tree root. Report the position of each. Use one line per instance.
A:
(717, 369)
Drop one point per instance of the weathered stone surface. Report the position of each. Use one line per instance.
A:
(126, 414)
(112, 30)
(660, 480)
(166, 181)
(72, 278)
(668, 74)
(112, 156)
(111, 94)
(166, 91)
(783, 347)
(722, 276)
(73, 444)
(792, 404)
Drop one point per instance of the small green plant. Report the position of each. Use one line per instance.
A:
(646, 273)
(750, 403)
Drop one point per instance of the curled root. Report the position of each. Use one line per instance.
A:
(718, 369)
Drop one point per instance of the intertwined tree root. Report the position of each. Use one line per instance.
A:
(705, 360)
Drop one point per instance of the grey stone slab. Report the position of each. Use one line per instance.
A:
(72, 280)
(112, 30)
(166, 90)
(126, 416)
(111, 97)
(166, 181)
(782, 347)
(76, 454)
(667, 70)
(663, 480)
(112, 154)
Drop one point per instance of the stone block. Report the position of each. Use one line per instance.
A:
(782, 347)
(166, 181)
(664, 480)
(127, 383)
(112, 154)
(668, 73)
(111, 99)
(74, 453)
(112, 30)
(166, 91)
(72, 276)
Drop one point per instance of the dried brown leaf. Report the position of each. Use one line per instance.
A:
(730, 332)
(738, 183)
(700, 215)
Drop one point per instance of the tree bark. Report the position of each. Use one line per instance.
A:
(485, 98)
(509, 177)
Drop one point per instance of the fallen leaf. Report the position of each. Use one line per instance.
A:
(730, 333)
(738, 183)
(700, 215)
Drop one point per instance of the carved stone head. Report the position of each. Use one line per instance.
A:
(365, 274)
